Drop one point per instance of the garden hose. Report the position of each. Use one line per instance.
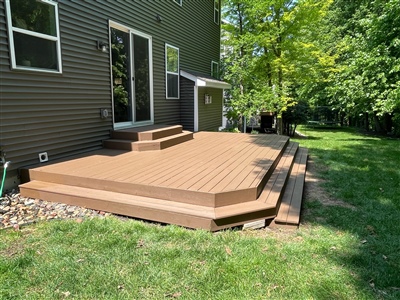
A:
(4, 178)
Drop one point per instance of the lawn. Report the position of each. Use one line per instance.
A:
(347, 247)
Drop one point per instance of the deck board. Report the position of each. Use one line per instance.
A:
(212, 164)
(170, 158)
(250, 166)
(187, 162)
(289, 211)
(235, 170)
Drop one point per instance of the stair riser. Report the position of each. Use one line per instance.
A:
(147, 145)
(159, 134)
(146, 135)
(118, 145)
(164, 216)
(189, 197)
(275, 187)
(271, 170)
(124, 135)
(159, 145)
(245, 218)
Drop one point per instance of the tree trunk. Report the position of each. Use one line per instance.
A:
(388, 123)
(366, 121)
(279, 124)
(377, 122)
(341, 119)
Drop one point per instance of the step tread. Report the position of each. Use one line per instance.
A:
(163, 143)
(240, 209)
(168, 138)
(132, 205)
(157, 144)
(289, 211)
(151, 132)
(272, 192)
(160, 133)
(117, 199)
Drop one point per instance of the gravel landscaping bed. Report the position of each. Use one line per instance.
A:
(16, 211)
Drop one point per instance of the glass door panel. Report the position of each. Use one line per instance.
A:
(141, 69)
(121, 75)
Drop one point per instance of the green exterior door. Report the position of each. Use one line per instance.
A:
(132, 82)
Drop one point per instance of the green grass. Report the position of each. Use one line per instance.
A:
(349, 249)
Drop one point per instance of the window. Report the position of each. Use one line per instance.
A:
(179, 2)
(214, 69)
(216, 12)
(34, 35)
(172, 71)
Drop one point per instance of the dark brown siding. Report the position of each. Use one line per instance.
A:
(210, 115)
(187, 104)
(60, 113)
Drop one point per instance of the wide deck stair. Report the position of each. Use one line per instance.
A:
(274, 200)
(147, 138)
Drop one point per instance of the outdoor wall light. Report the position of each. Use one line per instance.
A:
(102, 46)
(158, 18)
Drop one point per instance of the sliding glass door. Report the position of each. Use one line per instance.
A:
(132, 82)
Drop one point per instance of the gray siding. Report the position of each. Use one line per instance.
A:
(210, 115)
(59, 113)
(187, 104)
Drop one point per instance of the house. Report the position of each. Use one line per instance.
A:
(72, 71)
(81, 77)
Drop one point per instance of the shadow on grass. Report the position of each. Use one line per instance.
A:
(364, 174)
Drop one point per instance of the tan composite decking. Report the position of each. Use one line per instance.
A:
(194, 184)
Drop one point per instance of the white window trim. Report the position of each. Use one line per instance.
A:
(168, 72)
(216, 10)
(213, 62)
(12, 29)
(180, 2)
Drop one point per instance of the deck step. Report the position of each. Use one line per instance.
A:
(146, 133)
(273, 190)
(148, 145)
(289, 210)
(164, 211)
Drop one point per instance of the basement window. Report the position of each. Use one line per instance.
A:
(216, 12)
(34, 37)
(172, 71)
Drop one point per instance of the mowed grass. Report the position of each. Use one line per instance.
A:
(348, 246)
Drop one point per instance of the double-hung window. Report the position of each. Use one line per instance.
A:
(34, 36)
(172, 71)
(216, 12)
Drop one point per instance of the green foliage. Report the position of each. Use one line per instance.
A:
(364, 35)
(344, 54)
(269, 49)
(294, 116)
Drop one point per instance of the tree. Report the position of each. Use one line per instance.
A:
(270, 50)
(366, 42)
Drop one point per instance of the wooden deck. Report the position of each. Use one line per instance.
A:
(213, 181)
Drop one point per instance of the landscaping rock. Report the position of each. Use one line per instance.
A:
(16, 211)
